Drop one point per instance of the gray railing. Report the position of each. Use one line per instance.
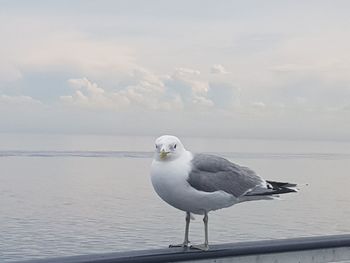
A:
(305, 249)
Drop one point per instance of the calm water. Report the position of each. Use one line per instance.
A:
(71, 195)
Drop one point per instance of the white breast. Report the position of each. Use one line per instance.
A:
(169, 179)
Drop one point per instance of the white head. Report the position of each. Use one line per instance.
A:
(167, 148)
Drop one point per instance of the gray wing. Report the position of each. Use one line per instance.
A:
(212, 173)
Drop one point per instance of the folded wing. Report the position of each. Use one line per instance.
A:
(212, 173)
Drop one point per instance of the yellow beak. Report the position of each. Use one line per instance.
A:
(163, 154)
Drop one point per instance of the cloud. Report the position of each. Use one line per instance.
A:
(203, 102)
(20, 101)
(117, 63)
(88, 94)
(218, 69)
(190, 87)
(52, 47)
(258, 105)
(144, 90)
(186, 71)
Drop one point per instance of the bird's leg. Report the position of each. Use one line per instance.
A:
(187, 228)
(204, 246)
(205, 220)
(186, 241)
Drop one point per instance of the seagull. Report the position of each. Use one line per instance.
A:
(200, 183)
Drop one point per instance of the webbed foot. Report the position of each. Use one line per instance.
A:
(203, 247)
(183, 245)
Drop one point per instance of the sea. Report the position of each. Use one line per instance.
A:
(64, 195)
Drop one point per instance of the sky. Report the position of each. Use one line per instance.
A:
(238, 69)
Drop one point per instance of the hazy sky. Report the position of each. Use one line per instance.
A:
(272, 69)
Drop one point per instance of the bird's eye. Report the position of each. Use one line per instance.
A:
(156, 146)
(174, 146)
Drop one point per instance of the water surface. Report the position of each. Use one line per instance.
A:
(71, 195)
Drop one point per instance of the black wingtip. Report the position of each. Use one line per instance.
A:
(281, 184)
(277, 188)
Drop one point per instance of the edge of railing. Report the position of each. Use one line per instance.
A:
(216, 251)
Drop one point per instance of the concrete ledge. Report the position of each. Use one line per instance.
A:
(310, 249)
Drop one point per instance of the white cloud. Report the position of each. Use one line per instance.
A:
(190, 87)
(145, 90)
(218, 69)
(51, 48)
(87, 94)
(20, 100)
(186, 71)
(126, 62)
(201, 101)
(258, 105)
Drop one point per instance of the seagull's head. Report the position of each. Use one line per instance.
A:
(167, 148)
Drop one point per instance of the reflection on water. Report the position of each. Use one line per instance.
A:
(101, 200)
